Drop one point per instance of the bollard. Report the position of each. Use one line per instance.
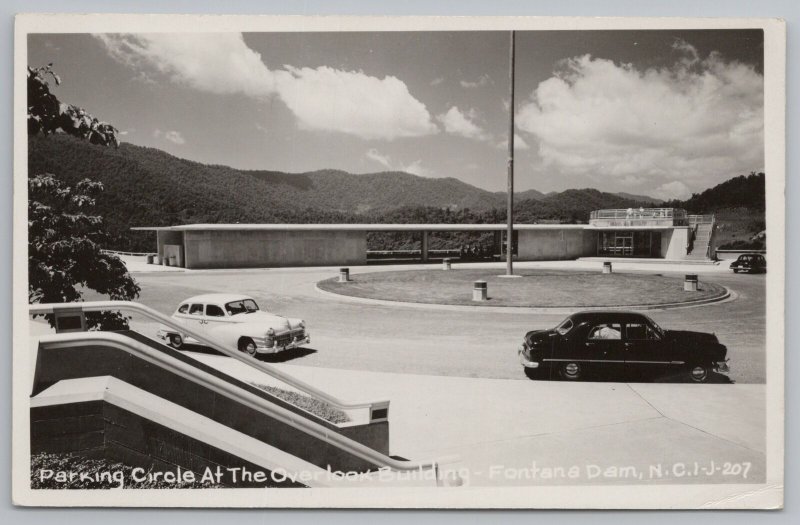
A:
(445, 264)
(690, 284)
(165, 261)
(607, 267)
(344, 275)
(479, 291)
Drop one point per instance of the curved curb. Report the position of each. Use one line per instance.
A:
(728, 295)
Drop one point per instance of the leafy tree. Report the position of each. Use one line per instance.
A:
(64, 254)
(64, 237)
(46, 114)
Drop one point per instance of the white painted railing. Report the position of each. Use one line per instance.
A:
(358, 412)
(240, 395)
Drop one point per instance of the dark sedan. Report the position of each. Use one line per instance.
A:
(620, 344)
(750, 263)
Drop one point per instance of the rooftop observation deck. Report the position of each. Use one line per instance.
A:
(645, 218)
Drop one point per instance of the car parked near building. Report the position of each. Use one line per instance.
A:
(235, 321)
(620, 344)
(750, 262)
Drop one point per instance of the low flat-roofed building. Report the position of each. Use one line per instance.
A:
(649, 233)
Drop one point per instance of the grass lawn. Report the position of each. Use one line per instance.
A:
(535, 288)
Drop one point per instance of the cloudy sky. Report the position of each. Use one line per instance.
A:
(662, 113)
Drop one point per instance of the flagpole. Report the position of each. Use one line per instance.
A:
(510, 211)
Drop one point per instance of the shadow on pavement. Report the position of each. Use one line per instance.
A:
(714, 378)
(280, 357)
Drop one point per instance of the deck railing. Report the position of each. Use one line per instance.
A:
(639, 217)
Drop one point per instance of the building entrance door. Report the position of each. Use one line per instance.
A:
(624, 245)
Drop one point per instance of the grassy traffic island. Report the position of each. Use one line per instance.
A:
(534, 288)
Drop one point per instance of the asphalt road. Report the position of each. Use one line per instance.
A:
(477, 343)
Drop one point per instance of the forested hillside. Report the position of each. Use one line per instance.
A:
(739, 204)
(148, 187)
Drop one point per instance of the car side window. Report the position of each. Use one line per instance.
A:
(184, 308)
(196, 309)
(640, 332)
(213, 310)
(606, 331)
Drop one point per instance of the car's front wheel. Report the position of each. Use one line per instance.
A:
(175, 341)
(699, 373)
(571, 371)
(247, 346)
(532, 373)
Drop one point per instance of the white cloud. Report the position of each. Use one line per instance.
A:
(379, 158)
(322, 98)
(482, 81)
(355, 103)
(436, 81)
(173, 136)
(519, 143)
(415, 168)
(672, 190)
(693, 121)
(459, 123)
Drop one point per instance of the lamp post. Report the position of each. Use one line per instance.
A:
(510, 210)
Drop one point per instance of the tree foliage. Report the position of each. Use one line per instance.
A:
(64, 236)
(47, 115)
(64, 249)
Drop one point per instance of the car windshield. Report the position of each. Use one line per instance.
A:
(565, 326)
(658, 329)
(243, 306)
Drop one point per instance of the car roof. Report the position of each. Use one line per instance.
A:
(609, 315)
(216, 298)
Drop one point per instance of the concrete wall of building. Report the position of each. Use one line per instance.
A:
(674, 243)
(262, 248)
(555, 244)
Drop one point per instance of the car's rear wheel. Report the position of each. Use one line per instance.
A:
(699, 373)
(571, 371)
(175, 341)
(736, 270)
(247, 346)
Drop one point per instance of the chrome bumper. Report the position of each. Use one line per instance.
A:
(262, 348)
(524, 362)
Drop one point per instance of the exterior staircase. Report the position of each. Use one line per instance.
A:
(703, 233)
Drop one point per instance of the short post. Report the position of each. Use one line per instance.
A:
(607, 267)
(150, 258)
(344, 275)
(445, 264)
(479, 291)
(690, 283)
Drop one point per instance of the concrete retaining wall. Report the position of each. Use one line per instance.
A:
(555, 244)
(55, 364)
(98, 429)
(254, 248)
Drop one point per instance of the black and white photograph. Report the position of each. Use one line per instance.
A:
(413, 262)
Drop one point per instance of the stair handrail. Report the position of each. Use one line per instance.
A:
(306, 425)
(137, 308)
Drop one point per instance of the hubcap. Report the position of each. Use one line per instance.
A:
(699, 373)
(251, 348)
(572, 369)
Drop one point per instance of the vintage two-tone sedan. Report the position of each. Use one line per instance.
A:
(235, 321)
(620, 344)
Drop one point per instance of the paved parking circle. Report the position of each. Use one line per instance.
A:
(476, 343)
